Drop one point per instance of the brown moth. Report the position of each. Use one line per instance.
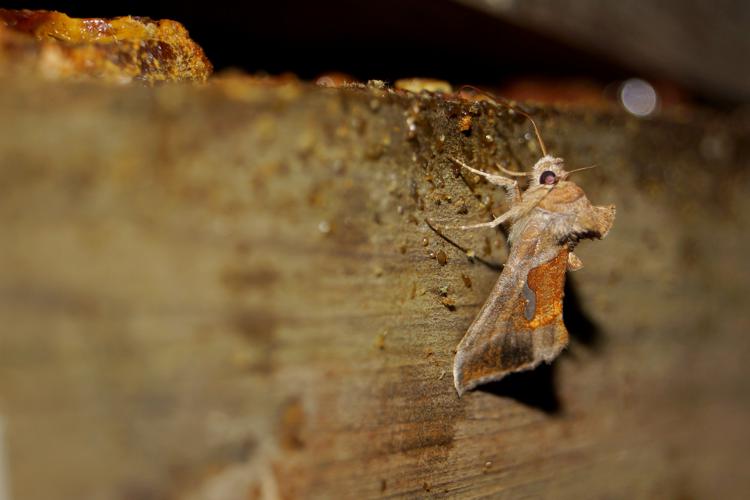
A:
(520, 325)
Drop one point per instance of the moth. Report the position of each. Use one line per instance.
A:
(521, 324)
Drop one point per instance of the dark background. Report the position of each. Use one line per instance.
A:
(695, 48)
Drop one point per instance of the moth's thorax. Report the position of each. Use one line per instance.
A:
(534, 227)
(560, 195)
(550, 218)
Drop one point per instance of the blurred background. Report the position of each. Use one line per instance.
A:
(689, 52)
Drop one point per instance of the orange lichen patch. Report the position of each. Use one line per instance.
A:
(547, 282)
(121, 50)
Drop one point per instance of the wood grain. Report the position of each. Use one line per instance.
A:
(230, 292)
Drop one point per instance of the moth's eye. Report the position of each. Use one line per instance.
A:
(548, 177)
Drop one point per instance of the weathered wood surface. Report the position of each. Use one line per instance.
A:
(228, 293)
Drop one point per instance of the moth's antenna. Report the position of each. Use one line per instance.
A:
(582, 168)
(536, 130)
(511, 106)
(512, 173)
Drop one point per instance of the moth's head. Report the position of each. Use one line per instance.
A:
(548, 171)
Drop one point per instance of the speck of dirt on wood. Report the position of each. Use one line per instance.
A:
(374, 151)
(487, 248)
(411, 128)
(464, 123)
(441, 257)
(380, 340)
(238, 280)
(467, 280)
(449, 303)
(254, 325)
(291, 423)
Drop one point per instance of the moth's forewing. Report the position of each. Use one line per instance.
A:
(528, 327)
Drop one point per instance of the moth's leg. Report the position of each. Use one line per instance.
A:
(514, 193)
(469, 253)
(510, 186)
(493, 223)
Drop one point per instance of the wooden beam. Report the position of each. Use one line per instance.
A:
(231, 292)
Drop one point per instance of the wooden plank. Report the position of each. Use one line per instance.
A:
(229, 292)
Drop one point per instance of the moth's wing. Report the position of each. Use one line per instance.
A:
(594, 221)
(519, 326)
